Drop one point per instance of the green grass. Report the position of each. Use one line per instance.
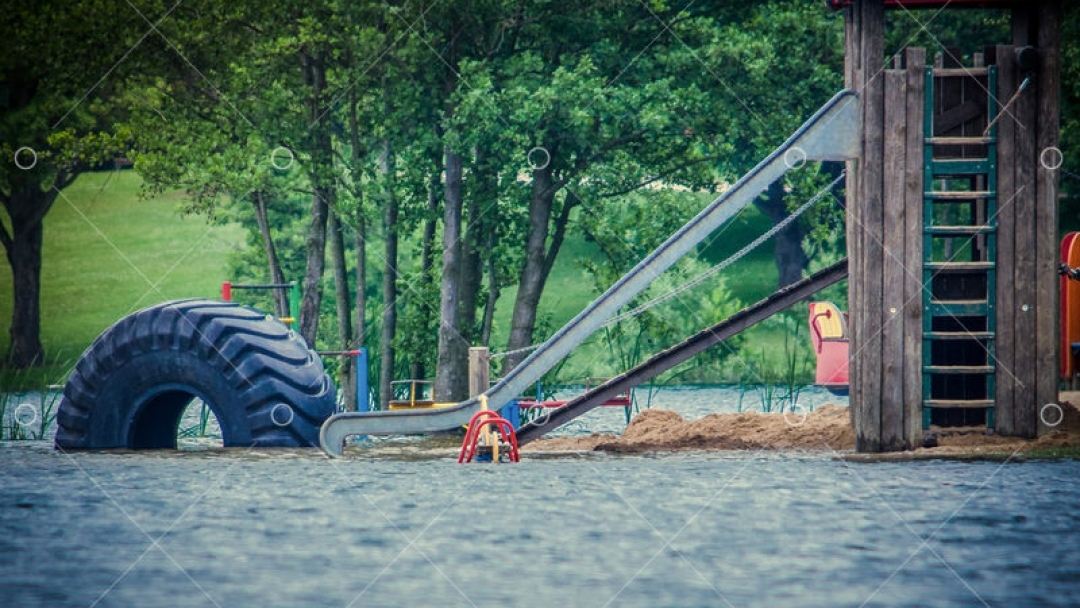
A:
(108, 253)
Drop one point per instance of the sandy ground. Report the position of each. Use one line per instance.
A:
(827, 428)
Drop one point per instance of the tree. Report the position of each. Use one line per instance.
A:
(60, 97)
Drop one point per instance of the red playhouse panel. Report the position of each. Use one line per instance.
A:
(1070, 306)
(828, 331)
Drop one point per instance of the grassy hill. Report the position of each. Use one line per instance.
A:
(108, 253)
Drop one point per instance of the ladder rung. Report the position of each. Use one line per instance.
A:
(959, 141)
(945, 72)
(959, 308)
(961, 166)
(958, 266)
(961, 230)
(958, 403)
(958, 369)
(958, 335)
(958, 195)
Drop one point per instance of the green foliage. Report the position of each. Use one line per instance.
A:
(642, 111)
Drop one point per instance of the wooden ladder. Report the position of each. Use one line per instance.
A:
(959, 248)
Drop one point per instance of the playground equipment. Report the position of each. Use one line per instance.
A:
(293, 320)
(829, 335)
(479, 431)
(830, 134)
(131, 386)
(952, 215)
(953, 298)
(699, 342)
(539, 407)
(1070, 309)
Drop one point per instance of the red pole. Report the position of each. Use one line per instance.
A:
(226, 291)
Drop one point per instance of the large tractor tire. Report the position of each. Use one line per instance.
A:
(131, 387)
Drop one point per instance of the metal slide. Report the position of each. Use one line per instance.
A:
(832, 133)
(703, 340)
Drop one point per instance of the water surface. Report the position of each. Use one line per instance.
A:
(402, 524)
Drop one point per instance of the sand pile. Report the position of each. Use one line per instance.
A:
(826, 428)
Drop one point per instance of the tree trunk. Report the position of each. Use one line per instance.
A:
(427, 262)
(23, 249)
(472, 270)
(788, 252)
(451, 374)
(494, 288)
(26, 207)
(530, 282)
(344, 308)
(314, 71)
(281, 299)
(389, 325)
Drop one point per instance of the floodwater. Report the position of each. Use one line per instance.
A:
(399, 523)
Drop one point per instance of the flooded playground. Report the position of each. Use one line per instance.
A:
(399, 523)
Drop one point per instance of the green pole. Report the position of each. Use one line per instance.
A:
(294, 305)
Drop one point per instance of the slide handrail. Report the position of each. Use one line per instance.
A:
(831, 134)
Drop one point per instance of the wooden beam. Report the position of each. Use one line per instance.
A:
(915, 63)
(871, 30)
(1006, 386)
(853, 218)
(893, 266)
(1048, 113)
(1024, 161)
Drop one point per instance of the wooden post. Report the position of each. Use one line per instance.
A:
(853, 80)
(915, 64)
(1048, 315)
(1027, 302)
(1005, 379)
(893, 263)
(479, 370)
(866, 224)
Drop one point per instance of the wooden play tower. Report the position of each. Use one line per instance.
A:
(952, 230)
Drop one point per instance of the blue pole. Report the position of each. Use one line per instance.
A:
(360, 361)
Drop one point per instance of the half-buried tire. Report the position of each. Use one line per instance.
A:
(131, 387)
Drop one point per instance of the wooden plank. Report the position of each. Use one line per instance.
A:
(852, 220)
(961, 403)
(958, 140)
(955, 117)
(915, 62)
(1005, 389)
(960, 72)
(1046, 203)
(893, 265)
(1025, 160)
(871, 40)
